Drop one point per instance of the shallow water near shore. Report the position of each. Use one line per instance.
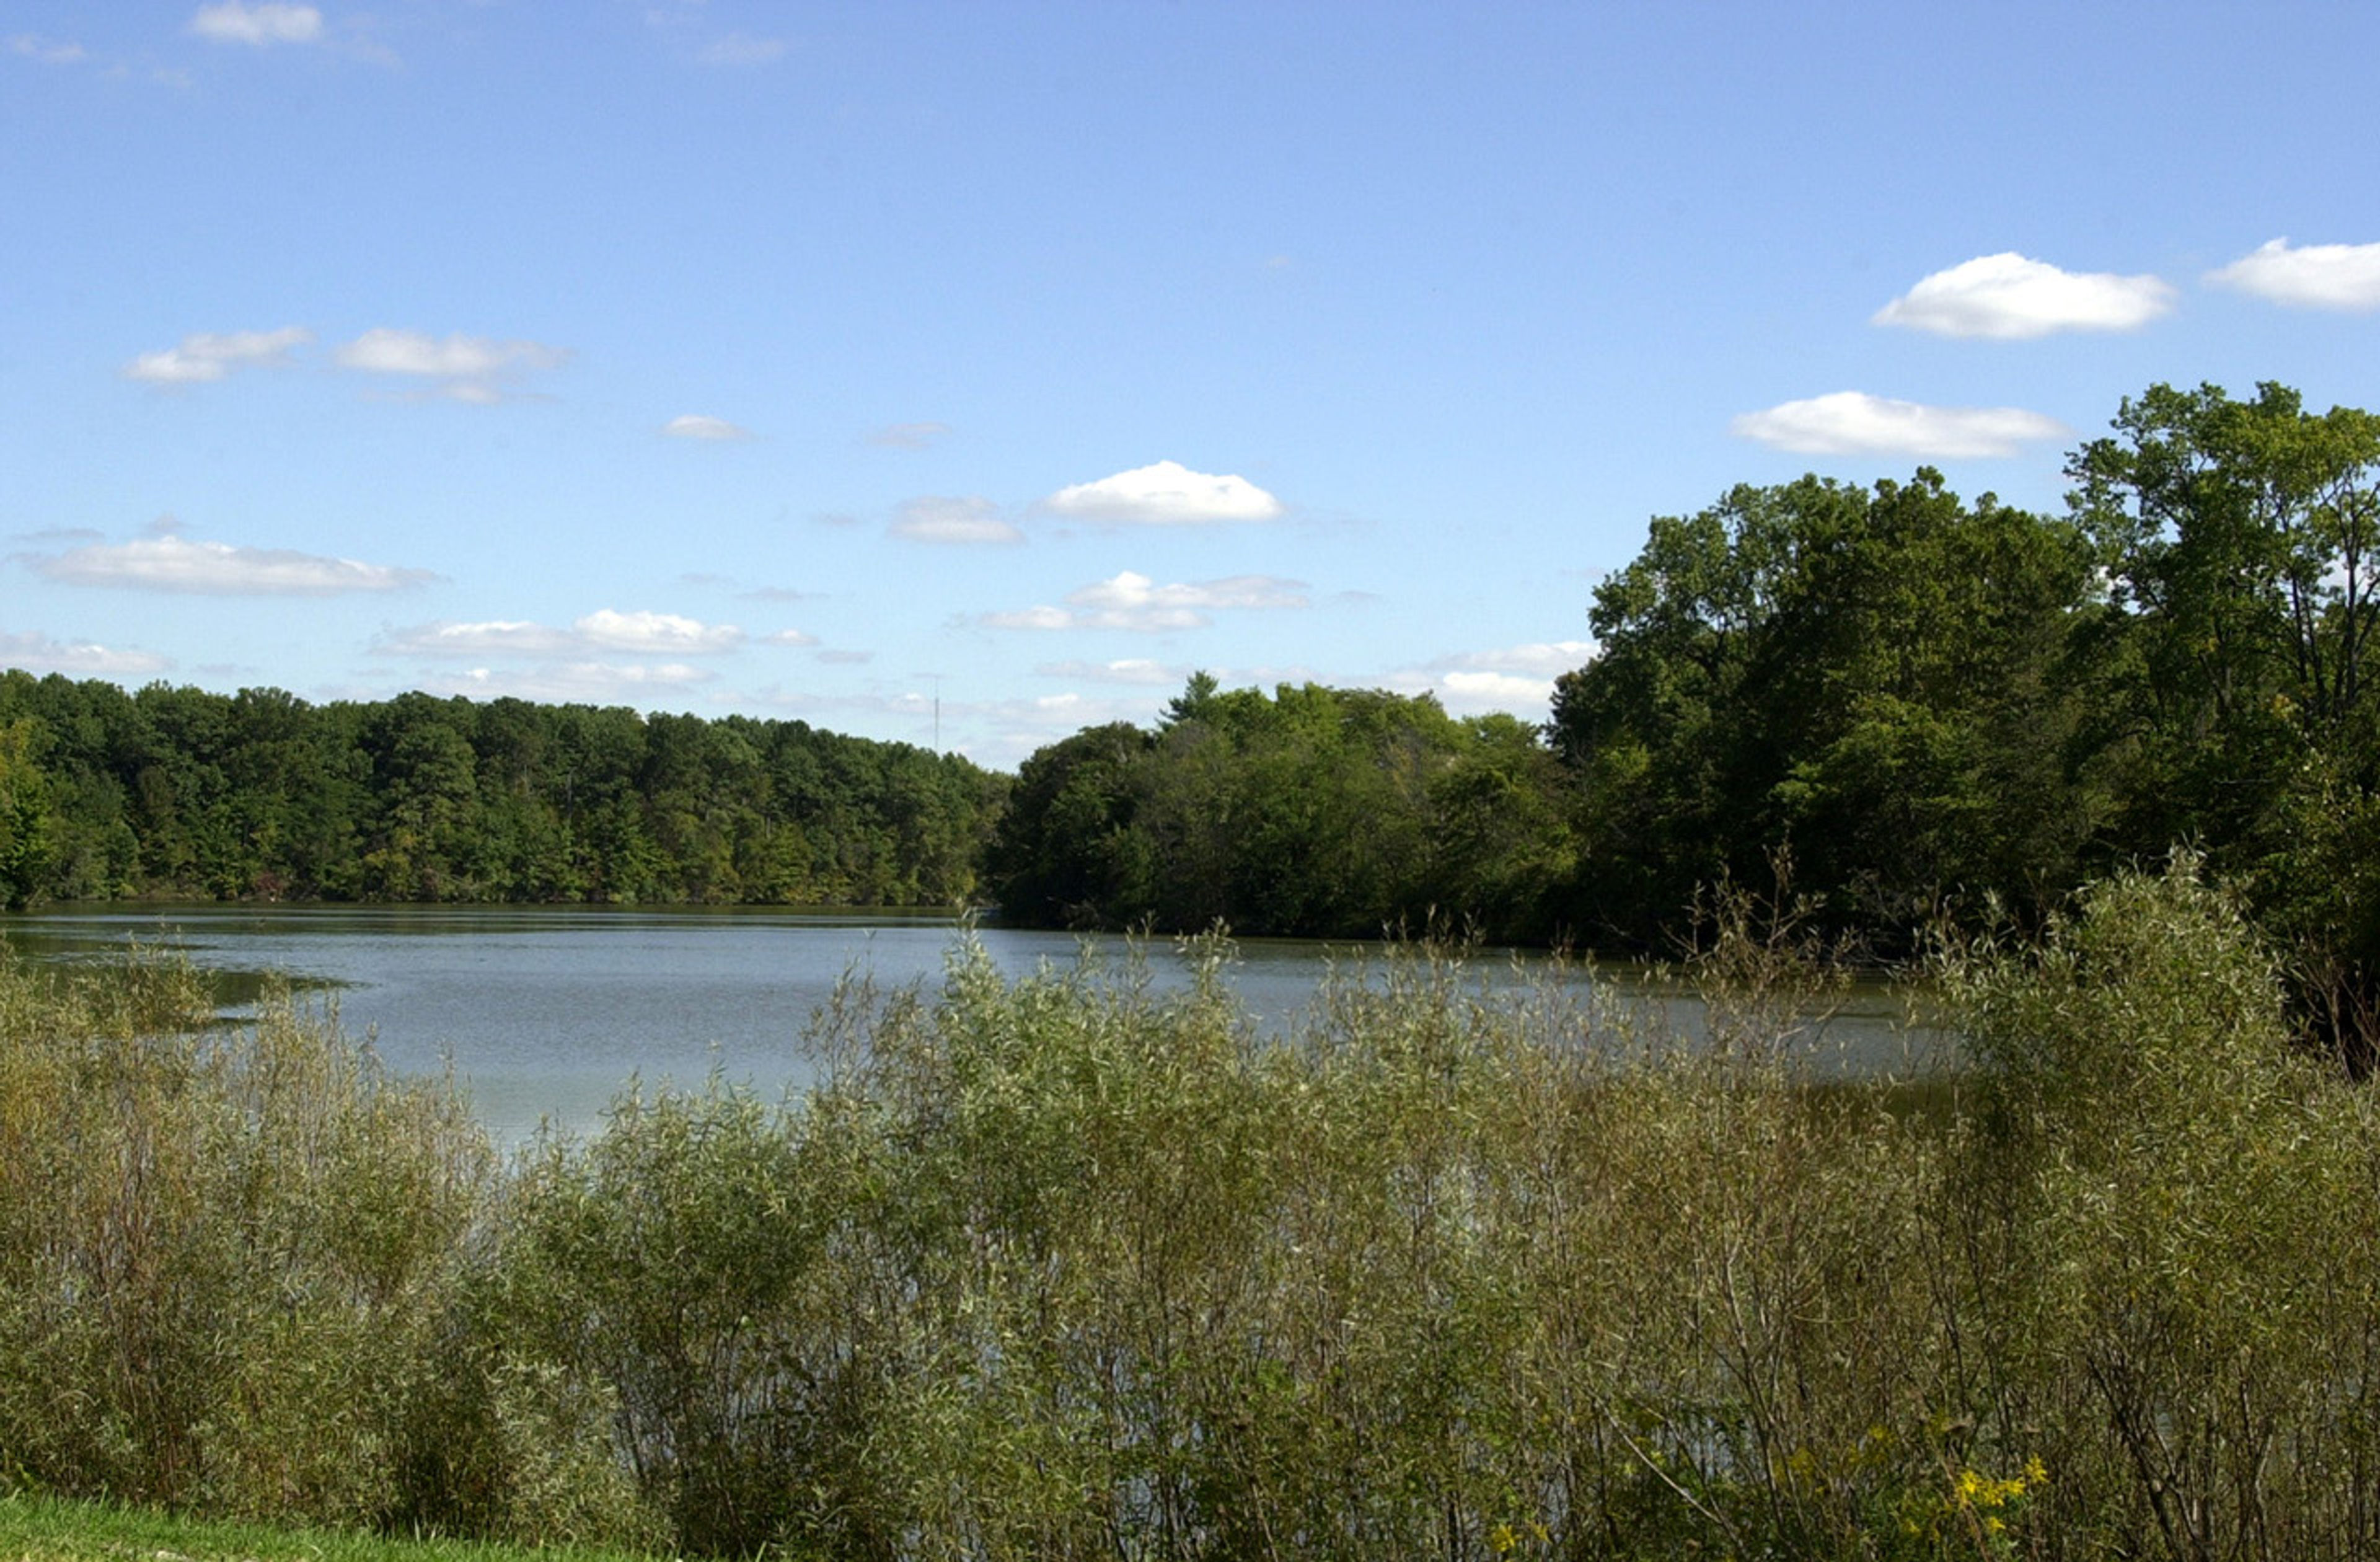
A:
(545, 1013)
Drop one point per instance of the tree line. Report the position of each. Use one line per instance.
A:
(1923, 707)
(177, 791)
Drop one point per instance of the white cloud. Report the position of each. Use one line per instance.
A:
(789, 637)
(1031, 618)
(2007, 297)
(471, 368)
(1165, 495)
(494, 637)
(1541, 658)
(937, 519)
(591, 683)
(267, 22)
(2334, 276)
(1130, 669)
(1855, 423)
(1473, 694)
(172, 563)
(1515, 678)
(47, 51)
(695, 425)
(739, 48)
(39, 653)
(1130, 601)
(658, 634)
(209, 356)
(909, 436)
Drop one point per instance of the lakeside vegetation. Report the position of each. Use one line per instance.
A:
(1068, 1267)
(36, 1528)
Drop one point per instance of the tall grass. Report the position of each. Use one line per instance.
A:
(1071, 1267)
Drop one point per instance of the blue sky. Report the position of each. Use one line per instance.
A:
(823, 362)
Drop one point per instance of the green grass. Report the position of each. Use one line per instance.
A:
(35, 1528)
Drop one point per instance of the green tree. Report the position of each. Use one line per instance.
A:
(24, 815)
(1881, 682)
(2239, 538)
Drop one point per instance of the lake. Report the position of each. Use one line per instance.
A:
(546, 1012)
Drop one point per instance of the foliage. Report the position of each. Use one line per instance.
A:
(35, 1528)
(2239, 538)
(1313, 810)
(177, 791)
(225, 1262)
(1880, 681)
(1084, 1265)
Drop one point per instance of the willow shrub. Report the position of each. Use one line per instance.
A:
(2159, 1238)
(1070, 1266)
(227, 1260)
(1074, 1267)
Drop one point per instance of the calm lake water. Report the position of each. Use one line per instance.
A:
(546, 1012)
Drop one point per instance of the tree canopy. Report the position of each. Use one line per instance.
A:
(179, 792)
(1310, 811)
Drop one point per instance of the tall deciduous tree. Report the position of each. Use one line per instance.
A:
(1874, 680)
(2239, 538)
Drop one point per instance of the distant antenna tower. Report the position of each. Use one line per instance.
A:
(938, 713)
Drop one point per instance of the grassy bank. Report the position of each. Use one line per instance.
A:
(1067, 1267)
(48, 1529)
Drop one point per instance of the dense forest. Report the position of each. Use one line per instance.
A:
(177, 791)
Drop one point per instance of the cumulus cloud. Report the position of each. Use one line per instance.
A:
(789, 637)
(39, 653)
(656, 633)
(1518, 679)
(1129, 669)
(1471, 694)
(659, 634)
(938, 520)
(1855, 423)
(2332, 276)
(1130, 601)
(210, 356)
(909, 436)
(168, 562)
(695, 425)
(2007, 297)
(259, 25)
(468, 369)
(1168, 493)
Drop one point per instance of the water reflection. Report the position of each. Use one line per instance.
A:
(545, 1012)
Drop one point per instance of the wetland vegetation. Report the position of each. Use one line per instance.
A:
(1065, 1265)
